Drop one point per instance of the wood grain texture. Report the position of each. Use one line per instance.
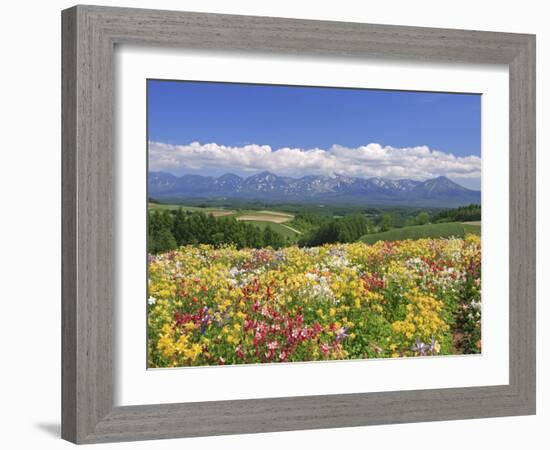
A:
(89, 36)
(522, 184)
(68, 224)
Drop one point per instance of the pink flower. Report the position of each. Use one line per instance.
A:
(239, 352)
(325, 349)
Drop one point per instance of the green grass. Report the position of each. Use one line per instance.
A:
(472, 229)
(437, 230)
(263, 215)
(185, 207)
(279, 228)
(216, 212)
(248, 214)
(397, 234)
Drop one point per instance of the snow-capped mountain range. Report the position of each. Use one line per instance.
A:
(269, 187)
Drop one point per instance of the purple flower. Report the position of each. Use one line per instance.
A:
(424, 349)
(341, 334)
(420, 347)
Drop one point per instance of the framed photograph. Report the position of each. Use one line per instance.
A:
(276, 224)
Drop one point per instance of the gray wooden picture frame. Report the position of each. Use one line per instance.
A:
(89, 36)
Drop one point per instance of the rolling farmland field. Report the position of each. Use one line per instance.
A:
(260, 218)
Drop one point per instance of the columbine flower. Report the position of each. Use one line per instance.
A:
(424, 349)
(228, 305)
(341, 334)
(420, 347)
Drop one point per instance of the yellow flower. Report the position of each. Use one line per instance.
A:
(189, 326)
(320, 284)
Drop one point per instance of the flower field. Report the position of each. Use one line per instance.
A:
(407, 298)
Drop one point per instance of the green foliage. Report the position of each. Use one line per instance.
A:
(420, 231)
(470, 213)
(169, 229)
(423, 218)
(387, 222)
(160, 227)
(272, 238)
(472, 229)
(279, 228)
(171, 226)
(345, 229)
(162, 241)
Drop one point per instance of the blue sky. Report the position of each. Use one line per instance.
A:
(239, 119)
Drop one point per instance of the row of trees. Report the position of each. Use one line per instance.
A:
(168, 230)
(324, 230)
(468, 213)
(171, 229)
(389, 220)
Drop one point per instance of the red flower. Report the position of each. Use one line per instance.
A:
(182, 318)
(239, 352)
(249, 325)
(325, 349)
(371, 282)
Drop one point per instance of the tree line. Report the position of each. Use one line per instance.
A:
(469, 213)
(327, 230)
(167, 230)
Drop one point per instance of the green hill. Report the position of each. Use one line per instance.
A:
(277, 227)
(436, 230)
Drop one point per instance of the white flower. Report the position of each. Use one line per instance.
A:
(475, 305)
(233, 272)
(151, 300)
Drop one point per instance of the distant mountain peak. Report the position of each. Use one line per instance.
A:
(230, 175)
(265, 173)
(340, 188)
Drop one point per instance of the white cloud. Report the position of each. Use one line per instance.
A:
(365, 161)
